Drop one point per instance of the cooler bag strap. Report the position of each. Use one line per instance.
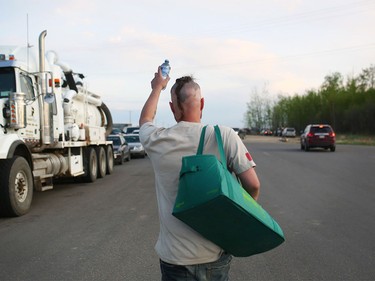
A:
(221, 150)
(219, 141)
(220, 146)
(201, 141)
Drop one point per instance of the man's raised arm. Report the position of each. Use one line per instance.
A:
(149, 109)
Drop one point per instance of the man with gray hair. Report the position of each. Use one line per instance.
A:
(185, 254)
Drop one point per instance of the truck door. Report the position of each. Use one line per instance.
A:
(32, 130)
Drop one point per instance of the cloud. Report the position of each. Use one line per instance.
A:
(231, 47)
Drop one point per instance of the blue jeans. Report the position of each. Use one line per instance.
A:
(212, 271)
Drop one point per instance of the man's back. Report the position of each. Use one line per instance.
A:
(166, 147)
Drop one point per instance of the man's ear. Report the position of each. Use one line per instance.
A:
(171, 106)
(202, 106)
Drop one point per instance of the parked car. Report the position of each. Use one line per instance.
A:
(278, 132)
(130, 130)
(289, 132)
(240, 132)
(116, 131)
(136, 148)
(267, 132)
(318, 136)
(121, 149)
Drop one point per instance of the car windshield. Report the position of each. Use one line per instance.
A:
(130, 130)
(116, 141)
(116, 131)
(321, 129)
(132, 138)
(7, 82)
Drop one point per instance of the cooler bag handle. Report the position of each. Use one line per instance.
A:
(201, 141)
(219, 141)
(220, 146)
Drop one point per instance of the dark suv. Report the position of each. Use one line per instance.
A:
(318, 136)
(121, 149)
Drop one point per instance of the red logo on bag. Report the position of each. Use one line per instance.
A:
(249, 156)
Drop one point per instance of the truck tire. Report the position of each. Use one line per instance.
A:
(16, 186)
(102, 162)
(91, 165)
(109, 159)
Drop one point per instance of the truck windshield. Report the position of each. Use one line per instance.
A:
(7, 82)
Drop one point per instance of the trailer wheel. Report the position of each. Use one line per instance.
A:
(91, 165)
(109, 159)
(102, 162)
(16, 186)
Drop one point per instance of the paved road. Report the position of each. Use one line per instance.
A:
(324, 202)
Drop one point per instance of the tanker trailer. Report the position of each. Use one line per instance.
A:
(51, 126)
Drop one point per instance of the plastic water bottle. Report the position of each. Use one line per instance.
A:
(165, 68)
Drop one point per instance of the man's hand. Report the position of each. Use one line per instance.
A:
(159, 83)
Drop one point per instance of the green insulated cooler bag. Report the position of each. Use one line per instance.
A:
(212, 202)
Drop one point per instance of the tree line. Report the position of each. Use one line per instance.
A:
(347, 105)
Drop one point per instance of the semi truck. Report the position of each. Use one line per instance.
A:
(51, 126)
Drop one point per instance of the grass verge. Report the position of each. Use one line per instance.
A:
(355, 139)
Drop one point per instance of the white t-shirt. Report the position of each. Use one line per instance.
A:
(177, 242)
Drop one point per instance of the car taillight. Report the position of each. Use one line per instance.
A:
(310, 135)
(332, 134)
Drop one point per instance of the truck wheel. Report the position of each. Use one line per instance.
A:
(102, 162)
(16, 186)
(91, 165)
(109, 159)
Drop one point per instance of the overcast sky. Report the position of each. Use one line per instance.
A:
(233, 48)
